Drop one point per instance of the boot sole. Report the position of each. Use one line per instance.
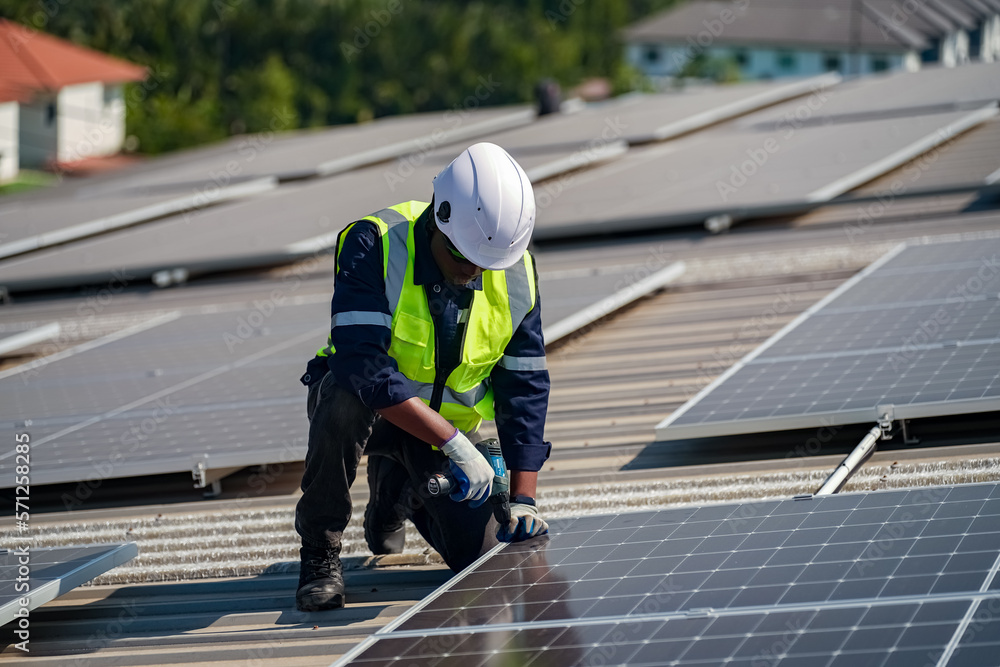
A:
(319, 602)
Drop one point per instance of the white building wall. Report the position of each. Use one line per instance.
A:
(954, 49)
(989, 47)
(38, 132)
(91, 121)
(9, 159)
(767, 63)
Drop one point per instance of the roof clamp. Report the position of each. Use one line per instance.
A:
(200, 474)
(885, 422)
(717, 224)
(885, 413)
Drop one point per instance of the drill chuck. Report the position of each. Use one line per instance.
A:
(441, 484)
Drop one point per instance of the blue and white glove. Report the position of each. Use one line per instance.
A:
(472, 472)
(524, 523)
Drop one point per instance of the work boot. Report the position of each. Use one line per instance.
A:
(321, 580)
(388, 482)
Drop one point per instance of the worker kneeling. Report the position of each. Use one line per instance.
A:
(436, 326)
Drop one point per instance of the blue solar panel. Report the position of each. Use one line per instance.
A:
(837, 580)
(919, 330)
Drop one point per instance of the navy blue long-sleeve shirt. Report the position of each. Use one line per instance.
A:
(363, 366)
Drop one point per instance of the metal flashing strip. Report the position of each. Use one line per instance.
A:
(26, 338)
(619, 299)
(99, 558)
(136, 216)
(770, 342)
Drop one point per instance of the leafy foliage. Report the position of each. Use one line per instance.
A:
(221, 67)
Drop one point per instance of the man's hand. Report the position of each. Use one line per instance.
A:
(472, 472)
(524, 523)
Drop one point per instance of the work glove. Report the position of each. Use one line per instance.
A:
(524, 523)
(472, 472)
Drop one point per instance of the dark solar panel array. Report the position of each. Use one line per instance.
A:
(921, 331)
(900, 635)
(222, 385)
(886, 578)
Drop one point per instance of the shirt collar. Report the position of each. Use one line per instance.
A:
(425, 269)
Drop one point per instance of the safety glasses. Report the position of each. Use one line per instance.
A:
(459, 257)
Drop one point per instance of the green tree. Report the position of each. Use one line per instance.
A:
(221, 67)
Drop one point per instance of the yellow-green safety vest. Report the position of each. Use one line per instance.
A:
(496, 312)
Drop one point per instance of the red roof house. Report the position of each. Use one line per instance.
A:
(60, 103)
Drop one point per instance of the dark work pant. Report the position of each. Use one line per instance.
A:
(341, 429)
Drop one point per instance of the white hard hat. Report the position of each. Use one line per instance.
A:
(484, 204)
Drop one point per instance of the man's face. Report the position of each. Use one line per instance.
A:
(456, 269)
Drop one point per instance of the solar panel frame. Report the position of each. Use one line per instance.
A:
(770, 370)
(99, 558)
(881, 623)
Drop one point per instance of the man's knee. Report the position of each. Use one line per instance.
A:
(336, 408)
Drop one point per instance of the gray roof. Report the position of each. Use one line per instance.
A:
(818, 24)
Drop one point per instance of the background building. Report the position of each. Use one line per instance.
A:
(777, 38)
(59, 103)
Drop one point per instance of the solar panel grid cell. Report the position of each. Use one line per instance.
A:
(793, 552)
(821, 386)
(920, 330)
(888, 579)
(889, 635)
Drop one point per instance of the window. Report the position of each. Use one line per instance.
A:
(741, 57)
(831, 62)
(652, 54)
(786, 60)
(110, 94)
(50, 113)
(880, 62)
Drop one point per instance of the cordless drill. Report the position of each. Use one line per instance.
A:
(442, 484)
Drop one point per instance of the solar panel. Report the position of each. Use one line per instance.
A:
(243, 234)
(872, 579)
(53, 572)
(68, 215)
(898, 93)
(316, 152)
(918, 330)
(195, 393)
(741, 169)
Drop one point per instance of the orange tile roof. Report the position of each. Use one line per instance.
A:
(32, 61)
